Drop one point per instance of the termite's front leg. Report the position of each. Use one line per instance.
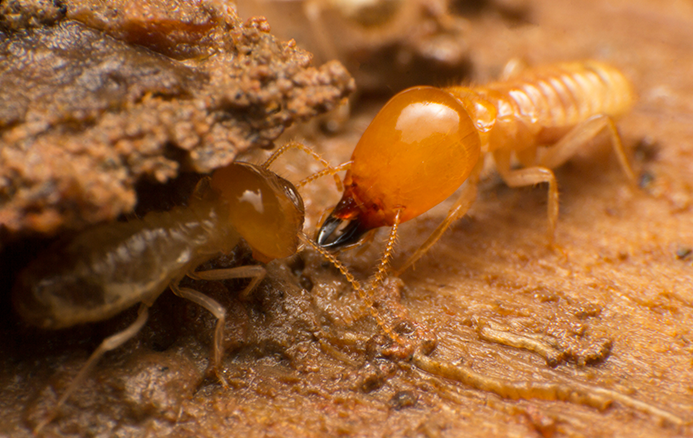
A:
(254, 272)
(458, 210)
(215, 309)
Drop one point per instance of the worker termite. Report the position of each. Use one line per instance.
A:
(425, 142)
(111, 267)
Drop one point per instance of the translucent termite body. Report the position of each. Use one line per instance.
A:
(111, 267)
(426, 142)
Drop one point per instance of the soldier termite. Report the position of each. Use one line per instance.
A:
(426, 141)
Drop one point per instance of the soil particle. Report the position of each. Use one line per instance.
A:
(94, 100)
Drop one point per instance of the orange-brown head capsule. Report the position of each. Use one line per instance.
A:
(264, 208)
(416, 152)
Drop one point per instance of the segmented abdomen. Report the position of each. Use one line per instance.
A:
(107, 269)
(566, 94)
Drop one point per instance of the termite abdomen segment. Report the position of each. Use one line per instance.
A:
(416, 152)
(264, 208)
(564, 95)
(110, 267)
(35, 298)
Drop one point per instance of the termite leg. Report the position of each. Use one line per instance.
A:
(581, 134)
(108, 344)
(366, 294)
(458, 210)
(215, 309)
(528, 157)
(379, 275)
(255, 272)
(528, 177)
(332, 259)
(329, 170)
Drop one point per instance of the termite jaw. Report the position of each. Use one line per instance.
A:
(350, 235)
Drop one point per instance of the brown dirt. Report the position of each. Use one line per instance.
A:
(96, 100)
(613, 306)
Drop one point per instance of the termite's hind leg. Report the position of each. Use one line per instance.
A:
(219, 313)
(458, 210)
(108, 344)
(527, 177)
(255, 272)
(582, 133)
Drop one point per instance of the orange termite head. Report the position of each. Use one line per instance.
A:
(416, 152)
(264, 208)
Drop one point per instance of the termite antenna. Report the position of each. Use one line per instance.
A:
(325, 172)
(366, 295)
(337, 264)
(329, 170)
